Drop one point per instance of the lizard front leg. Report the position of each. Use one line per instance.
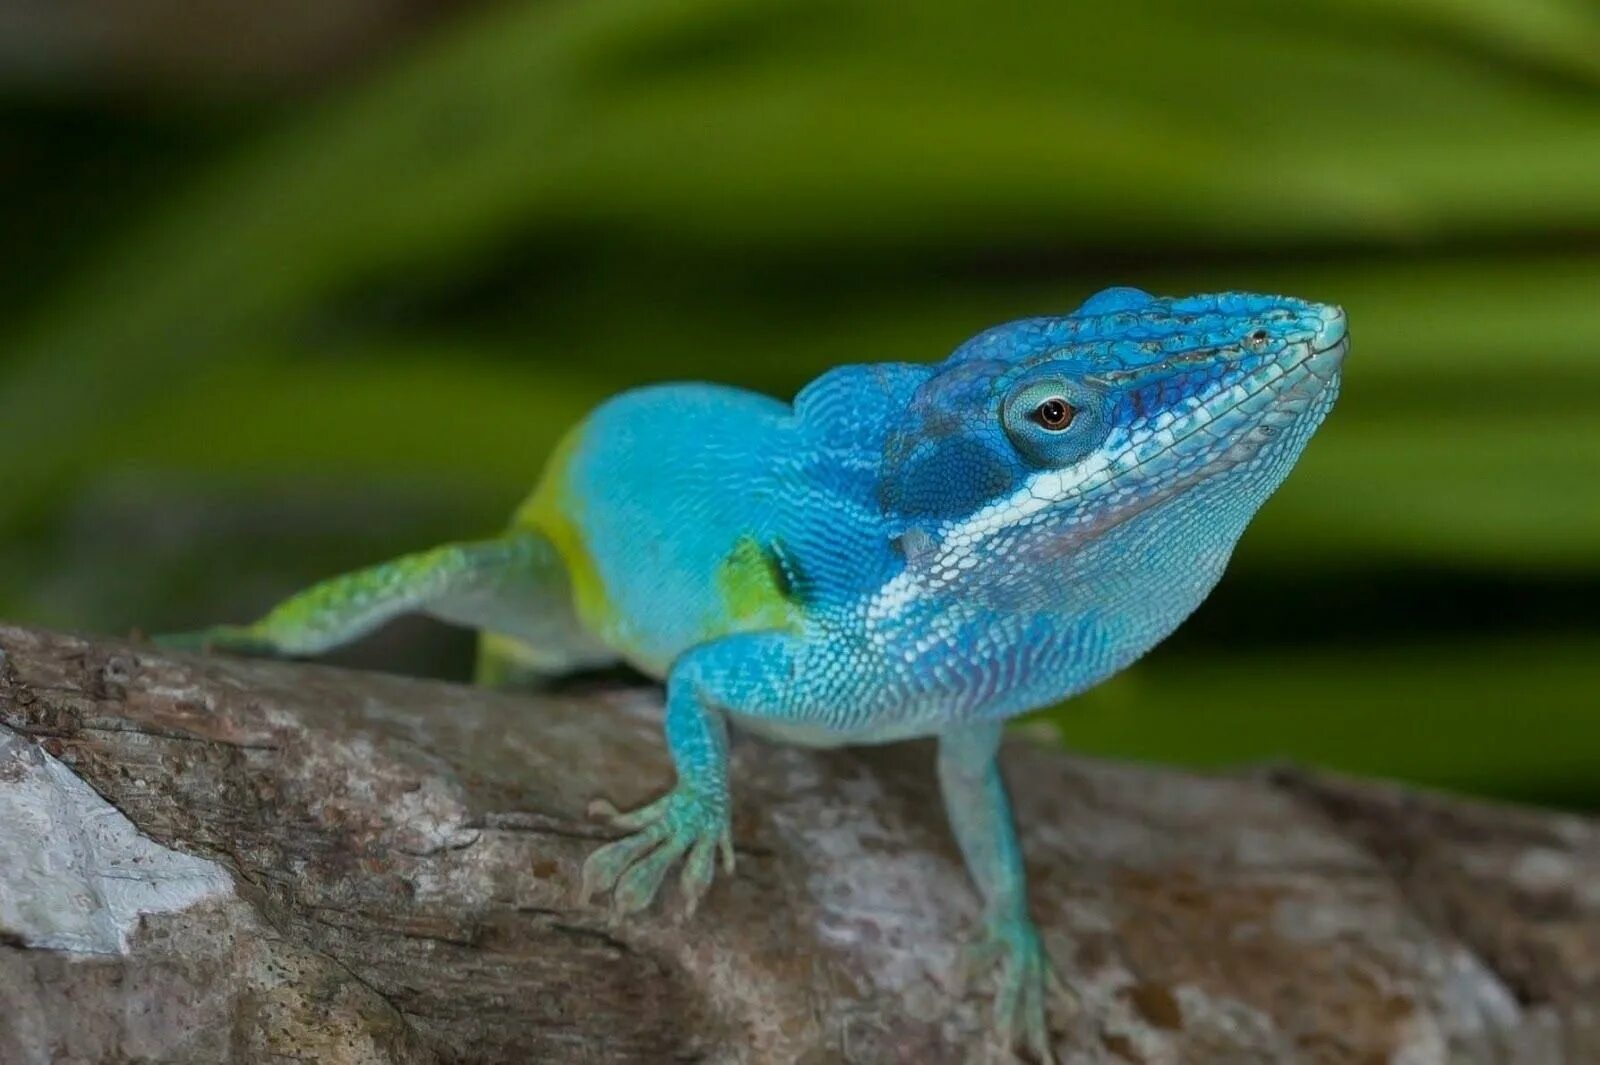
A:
(757, 675)
(692, 819)
(980, 816)
(691, 822)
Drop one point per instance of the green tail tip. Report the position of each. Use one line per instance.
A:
(217, 638)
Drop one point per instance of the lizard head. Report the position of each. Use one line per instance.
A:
(1040, 436)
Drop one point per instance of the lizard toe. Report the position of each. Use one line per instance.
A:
(605, 866)
(698, 870)
(1026, 984)
(638, 885)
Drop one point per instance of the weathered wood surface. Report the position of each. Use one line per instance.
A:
(283, 862)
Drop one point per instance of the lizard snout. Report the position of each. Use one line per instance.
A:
(1331, 341)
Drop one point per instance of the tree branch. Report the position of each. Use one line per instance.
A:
(215, 859)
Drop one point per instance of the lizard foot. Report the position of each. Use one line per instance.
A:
(683, 822)
(1027, 982)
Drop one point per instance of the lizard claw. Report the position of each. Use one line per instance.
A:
(700, 868)
(682, 825)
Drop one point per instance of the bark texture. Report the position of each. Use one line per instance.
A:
(221, 860)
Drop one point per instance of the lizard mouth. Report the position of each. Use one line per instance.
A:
(1236, 424)
(1330, 357)
(1253, 414)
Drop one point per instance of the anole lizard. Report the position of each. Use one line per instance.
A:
(905, 550)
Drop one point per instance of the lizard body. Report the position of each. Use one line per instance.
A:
(905, 550)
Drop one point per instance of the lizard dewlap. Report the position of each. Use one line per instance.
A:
(906, 549)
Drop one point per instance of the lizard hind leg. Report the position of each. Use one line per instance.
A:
(514, 585)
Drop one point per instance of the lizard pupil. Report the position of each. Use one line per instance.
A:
(1054, 414)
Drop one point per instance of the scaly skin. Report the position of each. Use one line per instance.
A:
(906, 550)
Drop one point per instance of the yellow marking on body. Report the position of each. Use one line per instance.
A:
(755, 594)
(549, 510)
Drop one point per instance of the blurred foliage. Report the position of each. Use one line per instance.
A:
(299, 339)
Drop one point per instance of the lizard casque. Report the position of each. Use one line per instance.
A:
(905, 550)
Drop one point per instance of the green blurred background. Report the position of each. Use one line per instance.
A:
(291, 290)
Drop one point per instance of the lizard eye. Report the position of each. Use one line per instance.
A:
(1258, 339)
(1054, 414)
(1053, 417)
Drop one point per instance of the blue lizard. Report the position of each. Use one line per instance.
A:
(905, 550)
